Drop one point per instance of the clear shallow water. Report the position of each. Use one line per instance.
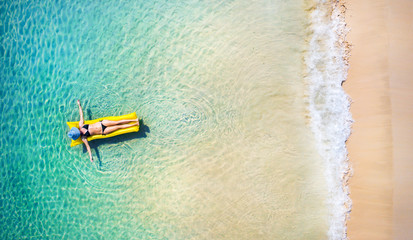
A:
(227, 150)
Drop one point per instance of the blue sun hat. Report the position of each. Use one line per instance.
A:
(74, 133)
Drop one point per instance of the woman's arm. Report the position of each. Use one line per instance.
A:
(88, 148)
(81, 122)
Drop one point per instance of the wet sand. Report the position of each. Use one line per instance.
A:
(380, 83)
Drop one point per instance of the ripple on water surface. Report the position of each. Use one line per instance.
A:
(225, 150)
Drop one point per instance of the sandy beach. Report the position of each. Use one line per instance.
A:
(380, 147)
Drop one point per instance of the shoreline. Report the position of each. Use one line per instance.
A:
(381, 185)
(329, 105)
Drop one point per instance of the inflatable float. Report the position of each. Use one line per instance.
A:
(115, 133)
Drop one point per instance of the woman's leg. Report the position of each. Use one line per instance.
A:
(117, 127)
(109, 123)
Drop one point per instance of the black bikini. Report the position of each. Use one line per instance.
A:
(87, 133)
(103, 128)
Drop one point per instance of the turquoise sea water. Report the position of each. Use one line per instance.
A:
(225, 151)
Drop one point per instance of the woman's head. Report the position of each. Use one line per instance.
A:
(74, 133)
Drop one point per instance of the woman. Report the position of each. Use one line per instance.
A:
(100, 128)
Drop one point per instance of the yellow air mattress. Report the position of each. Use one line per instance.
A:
(115, 133)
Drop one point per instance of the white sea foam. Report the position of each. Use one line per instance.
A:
(329, 105)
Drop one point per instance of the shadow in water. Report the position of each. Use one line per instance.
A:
(89, 114)
(143, 130)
